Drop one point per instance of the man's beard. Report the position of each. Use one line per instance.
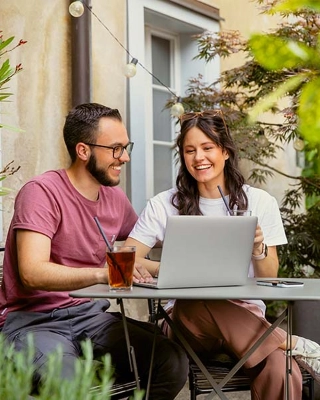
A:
(100, 174)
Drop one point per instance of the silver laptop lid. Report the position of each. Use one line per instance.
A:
(203, 251)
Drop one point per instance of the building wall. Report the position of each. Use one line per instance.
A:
(42, 90)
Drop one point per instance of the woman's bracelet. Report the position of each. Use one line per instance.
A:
(263, 254)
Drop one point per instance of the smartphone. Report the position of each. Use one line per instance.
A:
(280, 283)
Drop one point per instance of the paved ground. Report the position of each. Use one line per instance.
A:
(185, 395)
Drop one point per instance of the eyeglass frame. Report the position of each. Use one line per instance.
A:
(113, 148)
(198, 114)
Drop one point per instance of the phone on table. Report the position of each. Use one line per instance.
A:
(280, 283)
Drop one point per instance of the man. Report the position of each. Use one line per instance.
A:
(54, 246)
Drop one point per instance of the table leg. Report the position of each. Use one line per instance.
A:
(289, 350)
(130, 349)
(191, 352)
(152, 352)
(217, 387)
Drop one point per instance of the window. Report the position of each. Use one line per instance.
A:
(162, 49)
(161, 36)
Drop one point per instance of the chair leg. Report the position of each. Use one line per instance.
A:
(311, 389)
(193, 394)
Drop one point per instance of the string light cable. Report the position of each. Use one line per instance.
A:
(76, 9)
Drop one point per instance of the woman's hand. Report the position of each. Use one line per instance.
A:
(258, 240)
(141, 274)
(265, 267)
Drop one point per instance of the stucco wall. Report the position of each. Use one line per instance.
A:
(42, 90)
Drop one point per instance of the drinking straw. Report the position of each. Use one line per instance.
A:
(224, 200)
(103, 235)
(110, 249)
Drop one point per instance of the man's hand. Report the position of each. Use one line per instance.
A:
(141, 274)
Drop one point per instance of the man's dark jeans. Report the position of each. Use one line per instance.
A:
(70, 326)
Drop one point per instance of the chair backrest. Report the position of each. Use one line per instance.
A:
(1, 267)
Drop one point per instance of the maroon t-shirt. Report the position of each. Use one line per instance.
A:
(49, 204)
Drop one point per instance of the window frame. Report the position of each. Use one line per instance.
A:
(138, 121)
(175, 79)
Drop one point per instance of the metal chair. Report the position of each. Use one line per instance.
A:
(118, 391)
(1, 267)
(220, 366)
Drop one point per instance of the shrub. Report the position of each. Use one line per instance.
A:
(16, 374)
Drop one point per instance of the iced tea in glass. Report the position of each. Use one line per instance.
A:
(120, 263)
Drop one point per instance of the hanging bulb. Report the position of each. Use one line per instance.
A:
(298, 144)
(177, 109)
(76, 8)
(130, 69)
(262, 139)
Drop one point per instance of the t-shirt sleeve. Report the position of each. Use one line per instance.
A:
(267, 210)
(150, 227)
(129, 219)
(36, 209)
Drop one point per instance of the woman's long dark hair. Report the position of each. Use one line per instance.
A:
(213, 125)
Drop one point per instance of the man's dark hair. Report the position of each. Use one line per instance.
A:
(82, 124)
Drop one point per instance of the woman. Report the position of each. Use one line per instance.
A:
(209, 167)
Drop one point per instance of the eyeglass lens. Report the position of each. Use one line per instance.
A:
(118, 150)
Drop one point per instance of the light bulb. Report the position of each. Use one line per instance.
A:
(177, 110)
(298, 144)
(263, 140)
(76, 9)
(130, 69)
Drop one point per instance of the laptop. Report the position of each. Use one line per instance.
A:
(204, 251)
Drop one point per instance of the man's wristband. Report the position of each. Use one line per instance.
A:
(263, 254)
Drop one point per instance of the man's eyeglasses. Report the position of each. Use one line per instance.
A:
(117, 150)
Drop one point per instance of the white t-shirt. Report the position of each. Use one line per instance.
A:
(151, 225)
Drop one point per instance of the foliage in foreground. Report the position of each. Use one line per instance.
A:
(16, 371)
(301, 61)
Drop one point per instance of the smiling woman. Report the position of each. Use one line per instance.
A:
(209, 167)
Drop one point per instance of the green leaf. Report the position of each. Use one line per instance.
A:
(5, 96)
(272, 98)
(5, 71)
(12, 128)
(295, 5)
(5, 43)
(309, 112)
(274, 53)
(4, 191)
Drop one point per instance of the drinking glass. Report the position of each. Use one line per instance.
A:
(120, 267)
(240, 213)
